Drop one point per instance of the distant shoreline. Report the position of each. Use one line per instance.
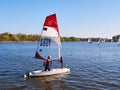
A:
(8, 37)
(16, 42)
(38, 41)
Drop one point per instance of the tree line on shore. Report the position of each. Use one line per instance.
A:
(7, 37)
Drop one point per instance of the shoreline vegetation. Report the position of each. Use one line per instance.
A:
(8, 37)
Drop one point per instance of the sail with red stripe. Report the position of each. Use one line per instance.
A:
(50, 43)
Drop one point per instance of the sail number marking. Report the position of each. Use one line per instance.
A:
(45, 42)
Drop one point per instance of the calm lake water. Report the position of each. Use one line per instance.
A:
(92, 67)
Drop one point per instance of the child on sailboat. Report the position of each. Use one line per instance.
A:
(47, 63)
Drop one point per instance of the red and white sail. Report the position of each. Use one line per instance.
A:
(50, 39)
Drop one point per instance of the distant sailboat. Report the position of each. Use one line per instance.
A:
(111, 40)
(99, 41)
(103, 40)
(89, 40)
(118, 43)
(49, 44)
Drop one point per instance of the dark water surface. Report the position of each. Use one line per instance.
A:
(92, 67)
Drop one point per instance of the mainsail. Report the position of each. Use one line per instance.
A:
(50, 39)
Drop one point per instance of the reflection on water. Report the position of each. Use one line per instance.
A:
(92, 67)
(53, 82)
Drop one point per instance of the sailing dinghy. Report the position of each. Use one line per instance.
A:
(49, 44)
(89, 40)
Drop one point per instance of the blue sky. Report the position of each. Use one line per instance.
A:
(79, 18)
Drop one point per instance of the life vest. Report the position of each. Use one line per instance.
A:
(48, 62)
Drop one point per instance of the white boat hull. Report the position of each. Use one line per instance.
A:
(47, 73)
